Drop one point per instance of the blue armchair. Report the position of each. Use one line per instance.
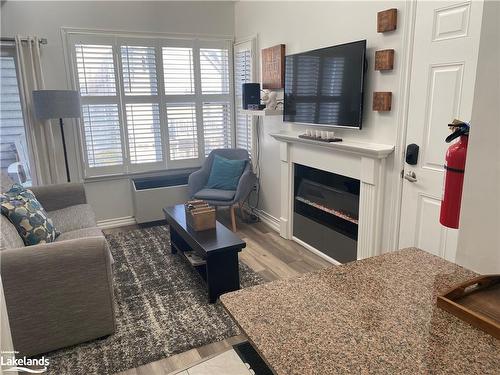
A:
(225, 198)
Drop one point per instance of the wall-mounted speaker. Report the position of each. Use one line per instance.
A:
(251, 94)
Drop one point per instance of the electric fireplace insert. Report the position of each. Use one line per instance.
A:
(326, 209)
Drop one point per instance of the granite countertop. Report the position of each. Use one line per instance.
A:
(374, 316)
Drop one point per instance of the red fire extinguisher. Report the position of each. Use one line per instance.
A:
(454, 174)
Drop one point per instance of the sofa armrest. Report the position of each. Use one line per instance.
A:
(247, 181)
(55, 197)
(197, 181)
(58, 294)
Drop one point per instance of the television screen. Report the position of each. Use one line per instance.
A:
(325, 86)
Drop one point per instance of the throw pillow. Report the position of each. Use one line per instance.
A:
(225, 173)
(24, 211)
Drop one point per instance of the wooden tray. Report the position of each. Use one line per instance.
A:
(477, 302)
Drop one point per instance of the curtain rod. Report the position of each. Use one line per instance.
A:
(41, 40)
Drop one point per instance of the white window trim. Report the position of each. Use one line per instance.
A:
(70, 35)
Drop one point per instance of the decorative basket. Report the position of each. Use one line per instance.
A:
(199, 215)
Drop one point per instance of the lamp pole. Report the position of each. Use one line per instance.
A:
(61, 125)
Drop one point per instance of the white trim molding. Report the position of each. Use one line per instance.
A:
(116, 222)
(269, 219)
(365, 162)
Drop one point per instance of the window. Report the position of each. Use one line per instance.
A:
(243, 69)
(151, 104)
(14, 159)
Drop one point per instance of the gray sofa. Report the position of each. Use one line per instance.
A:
(58, 294)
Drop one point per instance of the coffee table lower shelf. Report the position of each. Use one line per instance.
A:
(219, 270)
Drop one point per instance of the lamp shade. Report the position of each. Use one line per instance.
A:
(49, 104)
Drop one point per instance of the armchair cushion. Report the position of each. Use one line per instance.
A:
(215, 195)
(225, 173)
(73, 218)
(23, 210)
(55, 197)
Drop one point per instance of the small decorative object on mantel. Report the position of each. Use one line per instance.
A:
(199, 215)
(382, 101)
(273, 67)
(320, 135)
(384, 59)
(387, 20)
(477, 302)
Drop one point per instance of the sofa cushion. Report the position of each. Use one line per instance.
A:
(225, 173)
(80, 233)
(31, 221)
(215, 195)
(73, 218)
(9, 238)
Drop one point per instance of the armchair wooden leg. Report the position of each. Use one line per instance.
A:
(233, 218)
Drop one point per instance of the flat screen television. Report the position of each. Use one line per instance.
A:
(325, 86)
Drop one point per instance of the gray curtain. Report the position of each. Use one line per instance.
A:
(43, 158)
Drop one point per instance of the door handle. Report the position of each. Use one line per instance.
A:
(411, 176)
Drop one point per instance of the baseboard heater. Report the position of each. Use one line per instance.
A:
(151, 194)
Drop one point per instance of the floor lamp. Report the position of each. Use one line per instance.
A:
(51, 104)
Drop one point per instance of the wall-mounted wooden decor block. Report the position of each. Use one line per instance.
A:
(273, 67)
(382, 101)
(387, 20)
(384, 59)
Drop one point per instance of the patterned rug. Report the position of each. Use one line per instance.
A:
(160, 305)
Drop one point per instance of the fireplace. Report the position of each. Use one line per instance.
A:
(326, 212)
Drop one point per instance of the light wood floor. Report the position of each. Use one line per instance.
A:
(266, 253)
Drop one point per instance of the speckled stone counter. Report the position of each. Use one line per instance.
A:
(375, 316)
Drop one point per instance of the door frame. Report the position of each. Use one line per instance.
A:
(402, 120)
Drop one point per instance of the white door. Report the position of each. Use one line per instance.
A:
(446, 43)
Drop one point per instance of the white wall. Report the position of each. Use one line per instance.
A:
(479, 238)
(110, 199)
(309, 25)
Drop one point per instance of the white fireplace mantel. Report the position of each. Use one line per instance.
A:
(362, 161)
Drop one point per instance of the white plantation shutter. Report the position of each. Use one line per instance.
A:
(216, 126)
(144, 135)
(178, 70)
(139, 70)
(151, 103)
(96, 70)
(182, 131)
(102, 130)
(214, 67)
(243, 73)
(102, 135)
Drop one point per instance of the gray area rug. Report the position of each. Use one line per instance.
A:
(160, 305)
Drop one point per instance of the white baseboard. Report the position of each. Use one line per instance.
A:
(315, 251)
(269, 219)
(116, 222)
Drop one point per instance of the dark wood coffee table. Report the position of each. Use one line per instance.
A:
(213, 253)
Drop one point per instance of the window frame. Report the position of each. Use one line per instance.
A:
(117, 40)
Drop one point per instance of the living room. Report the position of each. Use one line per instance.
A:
(236, 187)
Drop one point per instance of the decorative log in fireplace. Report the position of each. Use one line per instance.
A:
(326, 209)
